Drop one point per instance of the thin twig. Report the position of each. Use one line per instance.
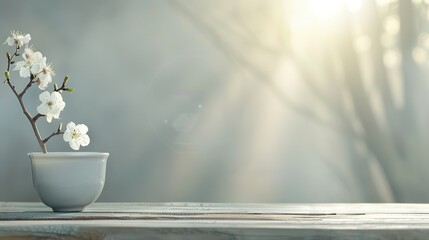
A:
(28, 85)
(37, 117)
(53, 134)
(63, 86)
(9, 62)
(21, 102)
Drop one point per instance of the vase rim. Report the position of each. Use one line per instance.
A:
(67, 154)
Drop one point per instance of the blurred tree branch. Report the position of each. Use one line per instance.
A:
(393, 136)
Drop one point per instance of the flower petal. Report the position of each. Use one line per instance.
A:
(71, 126)
(49, 117)
(56, 96)
(42, 85)
(74, 144)
(19, 65)
(35, 68)
(82, 128)
(24, 72)
(84, 140)
(47, 79)
(42, 109)
(45, 96)
(28, 54)
(10, 41)
(56, 115)
(67, 136)
(60, 105)
(42, 62)
(38, 56)
(26, 39)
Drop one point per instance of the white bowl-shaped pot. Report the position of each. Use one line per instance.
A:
(68, 181)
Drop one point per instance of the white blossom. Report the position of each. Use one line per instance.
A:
(18, 39)
(52, 105)
(31, 63)
(76, 135)
(44, 76)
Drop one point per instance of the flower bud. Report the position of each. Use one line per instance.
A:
(69, 89)
(60, 127)
(66, 79)
(8, 56)
(55, 87)
(7, 75)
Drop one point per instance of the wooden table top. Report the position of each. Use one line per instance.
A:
(20, 220)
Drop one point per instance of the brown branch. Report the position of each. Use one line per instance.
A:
(37, 117)
(58, 132)
(21, 102)
(9, 60)
(63, 86)
(28, 85)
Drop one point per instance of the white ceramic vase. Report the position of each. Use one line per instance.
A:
(68, 181)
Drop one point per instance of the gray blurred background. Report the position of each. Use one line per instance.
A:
(232, 101)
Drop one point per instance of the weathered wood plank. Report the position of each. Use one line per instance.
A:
(217, 221)
(325, 208)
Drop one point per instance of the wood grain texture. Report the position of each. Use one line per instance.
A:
(216, 221)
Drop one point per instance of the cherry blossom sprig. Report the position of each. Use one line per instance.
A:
(34, 67)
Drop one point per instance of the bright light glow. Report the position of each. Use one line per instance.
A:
(362, 43)
(423, 40)
(420, 55)
(384, 2)
(392, 25)
(392, 58)
(354, 5)
(388, 40)
(308, 15)
(325, 9)
(330, 8)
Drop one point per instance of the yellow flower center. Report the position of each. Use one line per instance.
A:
(74, 135)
